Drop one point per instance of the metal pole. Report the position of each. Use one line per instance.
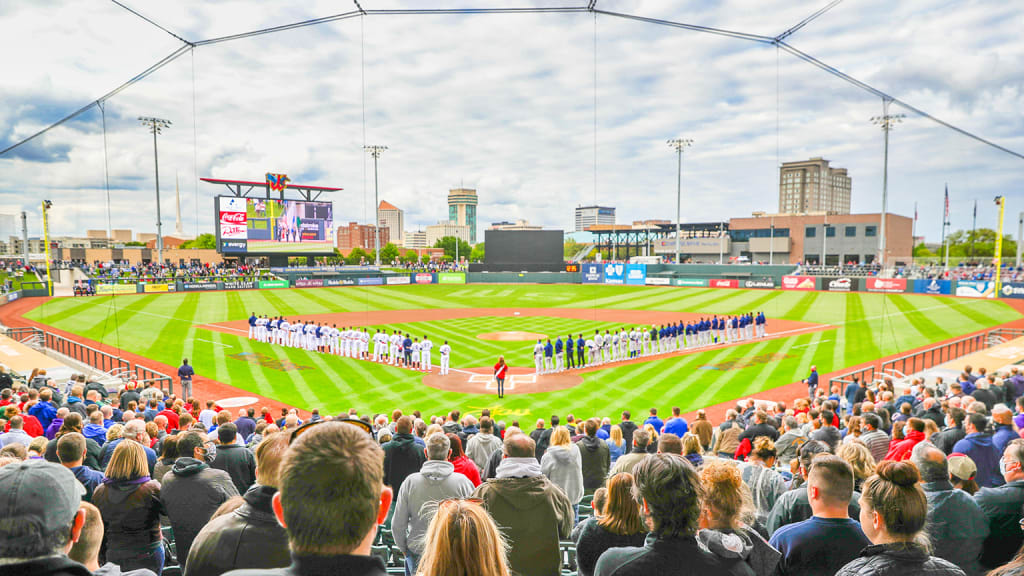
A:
(1020, 235)
(974, 227)
(771, 242)
(679, 197)
(1001, 201)
(24, 237)
(824, 241)
(885, 198)
(159, 224)
(721, 242)
(46, 247)
(376, 212)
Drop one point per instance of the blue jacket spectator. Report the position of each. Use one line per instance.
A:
(676, 424)
(1002, 507)
(44, 410)
(653, 420)
(978, 446)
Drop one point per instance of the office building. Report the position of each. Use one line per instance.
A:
(121, 236)
(587, 216)
(363, 236)
(462, 210)
(517, 225)
(442, 229)
(393, 219)
(812, 186)
(415, 240)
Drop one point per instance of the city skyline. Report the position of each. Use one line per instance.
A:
(525, 135)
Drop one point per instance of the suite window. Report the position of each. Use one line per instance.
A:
(811, 232)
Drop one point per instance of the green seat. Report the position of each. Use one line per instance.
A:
(381, 552)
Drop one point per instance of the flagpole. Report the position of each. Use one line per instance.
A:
(913, 233)
(945, 226)
(974, 228)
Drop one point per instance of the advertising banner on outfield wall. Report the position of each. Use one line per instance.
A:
(1012, 290)
(889, 285)
(309, 283)
(424, 278)
(766, 283)
(654, 281)
(636, 274)
(798, 283)
(376, 281)
(338, 282)
(615, 273)
(723, 283)
(273, 284)
(199, 286)
(115, 289)
(392, 280)
(838, 284)
(240, 285)
(151, 288)
(593, 274)
(975, 289)
(933, 286)
(451, 277)
(696, 282)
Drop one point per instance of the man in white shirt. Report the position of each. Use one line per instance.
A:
(376, 346)
(283, 330)
(446, 353)
(425, 347)
(417, 348)
(364, 342)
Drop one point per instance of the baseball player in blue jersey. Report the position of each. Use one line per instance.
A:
(252, 326)
(581, 348)
(761, 321)
(570, 352)
(549, 357)
(559, 355)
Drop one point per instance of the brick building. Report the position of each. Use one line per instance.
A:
(363, 236)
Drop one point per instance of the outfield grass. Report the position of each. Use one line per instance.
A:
(867, 326)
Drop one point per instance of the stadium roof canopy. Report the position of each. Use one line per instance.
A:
(306, 191)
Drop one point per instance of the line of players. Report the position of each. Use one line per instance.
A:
(636, 342)
(395, 349)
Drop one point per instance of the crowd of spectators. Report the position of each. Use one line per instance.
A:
(887, 478)
(138, 272)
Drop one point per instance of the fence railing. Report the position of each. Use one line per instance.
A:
(928, 358)
(162, 381)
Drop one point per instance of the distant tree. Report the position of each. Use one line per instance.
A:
(449, 243)
(425, 259)
(984, 240)
(388, 253)
(356, 256)
(477, 255)
(410, 257)
(922, 251)
(133, 243)
(570, 248)
(202, 242)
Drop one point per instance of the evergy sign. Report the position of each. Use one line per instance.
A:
(232, 218)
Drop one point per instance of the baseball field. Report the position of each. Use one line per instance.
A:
(831, 330)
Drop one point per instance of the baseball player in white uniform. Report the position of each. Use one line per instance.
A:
(376, 346)
(592, 349)
(645, 339)
(538, 356)
(395, 338)
(446, 353)
(598, 346)
(364, 344)
(616, 340)
(425, 347)
(417, 348)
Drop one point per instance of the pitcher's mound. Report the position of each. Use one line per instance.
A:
(511, 336)
(519, 381)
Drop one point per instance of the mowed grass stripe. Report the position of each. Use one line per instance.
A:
(972, 309)
(920, 320)
(120, 316)
(757, 304)
(713, 380)
(186, 308)
(859, 339)
(800, 310)
(279, 305)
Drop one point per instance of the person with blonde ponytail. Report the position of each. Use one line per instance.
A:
(463, 540)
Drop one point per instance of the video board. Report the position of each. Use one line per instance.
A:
(268, 226)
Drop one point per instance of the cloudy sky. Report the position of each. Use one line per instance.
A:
(508, 104)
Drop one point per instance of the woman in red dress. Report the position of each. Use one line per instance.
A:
(500, 369)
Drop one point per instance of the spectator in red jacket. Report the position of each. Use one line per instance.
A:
(463, 465)
(913, 434)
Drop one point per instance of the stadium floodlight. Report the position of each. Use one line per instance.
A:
(46, 244)
(679, 144)
(376, 151)
(156, 125)
(998, 259)
(886, 121)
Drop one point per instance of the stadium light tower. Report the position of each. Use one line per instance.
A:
(886, 121)
(998, 260)
(376, 151)
(156, 125)
(679, 144)
(46, 244)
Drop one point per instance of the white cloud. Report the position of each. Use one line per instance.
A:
(505, 103)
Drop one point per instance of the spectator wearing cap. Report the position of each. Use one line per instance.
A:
(1002, 419)
(331, 498)
(250, 536)
(71, 451)
(16, 434)
(86, 550)
(235, 459)
(129, 501)
(41, 508)
(192, 491)
(963, 473)
(957, 527)
(531, 511)
(671, 498)
(481, 445)
(1002, 507)
(978, 445)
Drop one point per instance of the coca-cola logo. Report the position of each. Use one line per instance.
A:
(232, 217)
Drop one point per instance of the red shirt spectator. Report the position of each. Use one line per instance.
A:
(172, 418)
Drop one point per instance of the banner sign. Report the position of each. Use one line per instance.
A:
(309, 283)
(311, 269)
(697, 282)
(841, 284)
(151, 288)
(888, 285)
(424, 278)
(232, 218)
(615, 273)
(975, 289)
(722, 283)
(451, 278)
(239, 285)
(593, 274)
(933, 286)
(766, 283)
(339, 282)
(636, 274)
(233, 246)
(198, 286)
(12, 296)
(375, 281)
(798, 283)
(115, 289)
(392, 280)
(1012, 290)
(655, 281)
(273, 284)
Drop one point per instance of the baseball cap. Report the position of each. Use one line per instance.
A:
(961, 466)
(44, 493)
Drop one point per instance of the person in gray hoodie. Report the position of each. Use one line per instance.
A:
(480, 446)
(419, 495)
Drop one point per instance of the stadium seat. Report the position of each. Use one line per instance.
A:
(382, 552)
(587, 500)
(568, 551)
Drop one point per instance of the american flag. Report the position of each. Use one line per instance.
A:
(947, 204)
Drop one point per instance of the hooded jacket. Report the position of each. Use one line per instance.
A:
(239, 463)
(743, 546)
(249, 537)
(534, 515)
(564, 467)
(402, 457)
(415, 504)
(666, 555)
(1002, 508)
(45, 412)
(480, 447)
(628, 427)
(131, 513)
(901, 449)
(596, 460)
(957, 527)
(89, 478)
(96, 432)
(192, 492)
(981, 450)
